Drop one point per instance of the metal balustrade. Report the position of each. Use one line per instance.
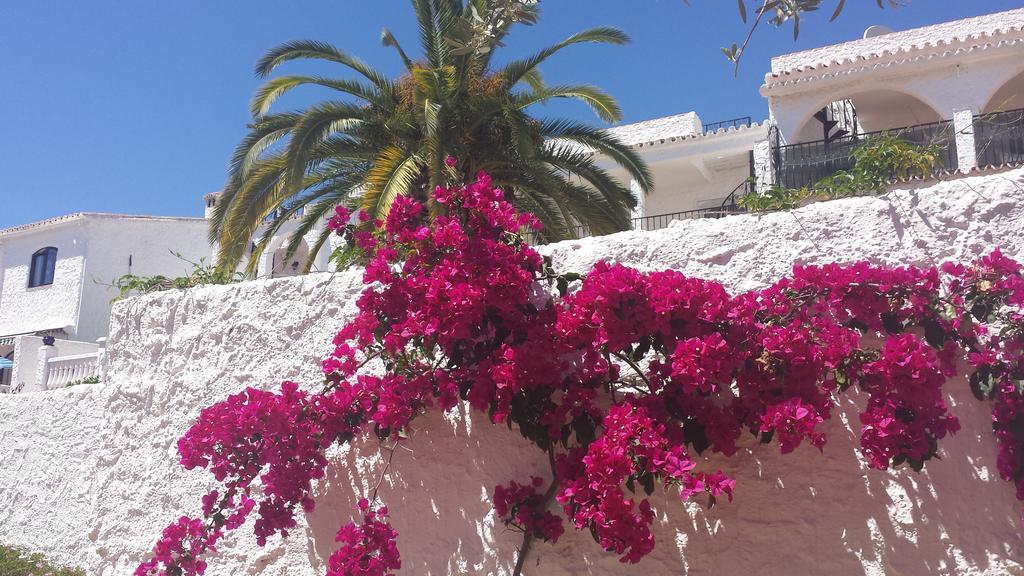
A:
(805, 163)
(741, 122)
(999, 138)
(730, 205)
(63, 370)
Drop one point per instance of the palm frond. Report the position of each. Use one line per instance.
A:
(314, 127)
(515, 71)
(391, 175)
(316, 50)
(324, 189)
(388, 39)
(273, 89)
(602, 141)
(603, 105)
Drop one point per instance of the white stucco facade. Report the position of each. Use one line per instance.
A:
(55, 306)
(903, 78)
(90, 473)
(692, 169)
(93, 250)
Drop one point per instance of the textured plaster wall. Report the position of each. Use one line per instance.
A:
(88, 474)
(24, 309)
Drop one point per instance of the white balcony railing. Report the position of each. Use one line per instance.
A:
(63, 370)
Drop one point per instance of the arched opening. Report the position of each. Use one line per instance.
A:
(866, 112)
(1009, 96)
(999, 129)
(825, 142)
(281, 265)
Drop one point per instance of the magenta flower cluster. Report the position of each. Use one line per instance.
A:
(622, 377)
(991, 292)
(367, 549)
(522, 507)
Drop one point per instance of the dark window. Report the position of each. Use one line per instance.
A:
(43, 263)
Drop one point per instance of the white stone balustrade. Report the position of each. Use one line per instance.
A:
(62, 370)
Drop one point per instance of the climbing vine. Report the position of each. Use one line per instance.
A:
(620, 377)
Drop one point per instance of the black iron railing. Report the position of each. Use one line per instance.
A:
(730, 205)
(804, 164)
(999, 138)
(740, 122)
(659, 221)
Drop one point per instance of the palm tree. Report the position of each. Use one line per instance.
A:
(386, 137)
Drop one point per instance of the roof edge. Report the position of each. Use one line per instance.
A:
(81, 216)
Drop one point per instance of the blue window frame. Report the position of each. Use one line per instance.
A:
(44, 261)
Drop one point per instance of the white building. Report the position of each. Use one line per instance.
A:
(958, 84)
(274, 261)
(699, 169)
(56, 276)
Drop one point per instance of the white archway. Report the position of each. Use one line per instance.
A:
(1008, 96)
(282, 265)
(876, 110)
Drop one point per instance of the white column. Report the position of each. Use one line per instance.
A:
(43, 367)
(101, 359)
(641, 200)
(963, 127)
(266, 266)
(764, 169)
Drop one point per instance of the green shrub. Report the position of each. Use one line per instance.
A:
(15, 562)
(202, 274)
(86, 380)
(877, 162)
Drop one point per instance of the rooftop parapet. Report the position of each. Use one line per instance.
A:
(968, 34)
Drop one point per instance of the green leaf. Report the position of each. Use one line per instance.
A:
(841, 380)
(981, 383)
(585, 430)
(839, 9)
(647, 481)
(934, 334)
(641, 350)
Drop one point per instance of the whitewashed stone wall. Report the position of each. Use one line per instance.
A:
(88, 474)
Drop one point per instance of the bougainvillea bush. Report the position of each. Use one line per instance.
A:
(621, 377)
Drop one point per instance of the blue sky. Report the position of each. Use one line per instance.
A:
(134, 107)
